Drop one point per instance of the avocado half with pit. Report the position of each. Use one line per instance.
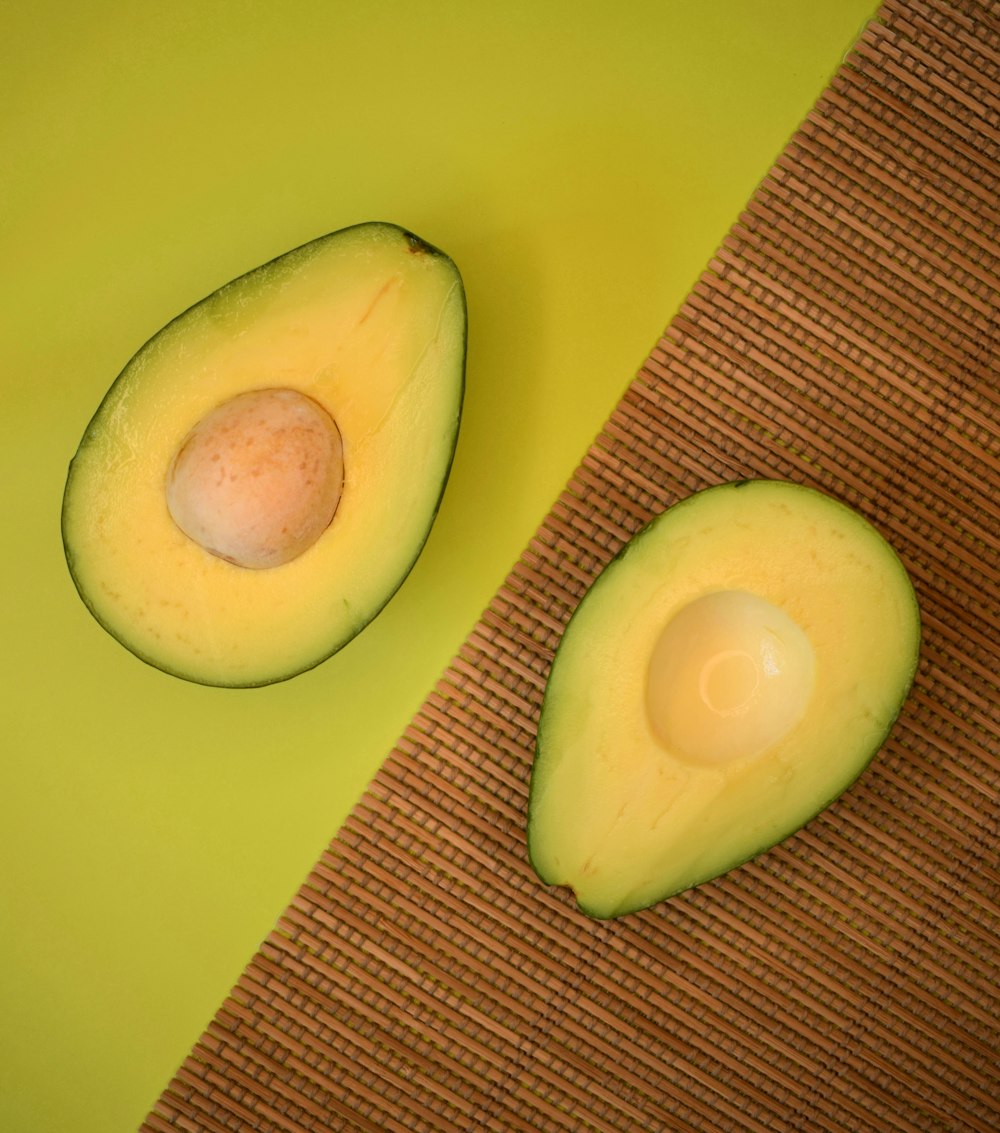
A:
(263, 474)
(726, 677)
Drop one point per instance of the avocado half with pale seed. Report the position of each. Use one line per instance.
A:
(264, 472)
(726, 677)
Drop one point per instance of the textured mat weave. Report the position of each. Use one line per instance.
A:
(846, 336)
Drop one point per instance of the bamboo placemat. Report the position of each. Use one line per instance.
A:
(844, 336)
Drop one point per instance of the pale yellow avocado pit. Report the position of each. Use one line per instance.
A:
(725, 678)
(328, 385)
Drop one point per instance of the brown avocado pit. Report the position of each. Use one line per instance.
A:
(257, 481)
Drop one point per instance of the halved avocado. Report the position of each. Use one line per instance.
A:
(726, 677)
(264, 472)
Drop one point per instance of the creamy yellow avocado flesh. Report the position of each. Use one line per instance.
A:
(263, 474)
(727, 676)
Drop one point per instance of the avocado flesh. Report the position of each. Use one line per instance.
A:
(727, 676)
(369, 323)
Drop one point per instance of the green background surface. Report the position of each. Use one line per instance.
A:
(580, 161)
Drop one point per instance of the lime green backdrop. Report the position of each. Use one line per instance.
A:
(580, 161)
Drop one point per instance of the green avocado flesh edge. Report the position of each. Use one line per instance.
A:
(369, 325)
(726, 677)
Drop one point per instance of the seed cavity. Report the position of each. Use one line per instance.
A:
(730, 675)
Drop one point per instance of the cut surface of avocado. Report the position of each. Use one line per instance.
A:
(264, 472)
(726, 677)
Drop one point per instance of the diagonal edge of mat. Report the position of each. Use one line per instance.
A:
(845, 335)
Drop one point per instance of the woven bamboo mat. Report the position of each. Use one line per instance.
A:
(846, 336)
